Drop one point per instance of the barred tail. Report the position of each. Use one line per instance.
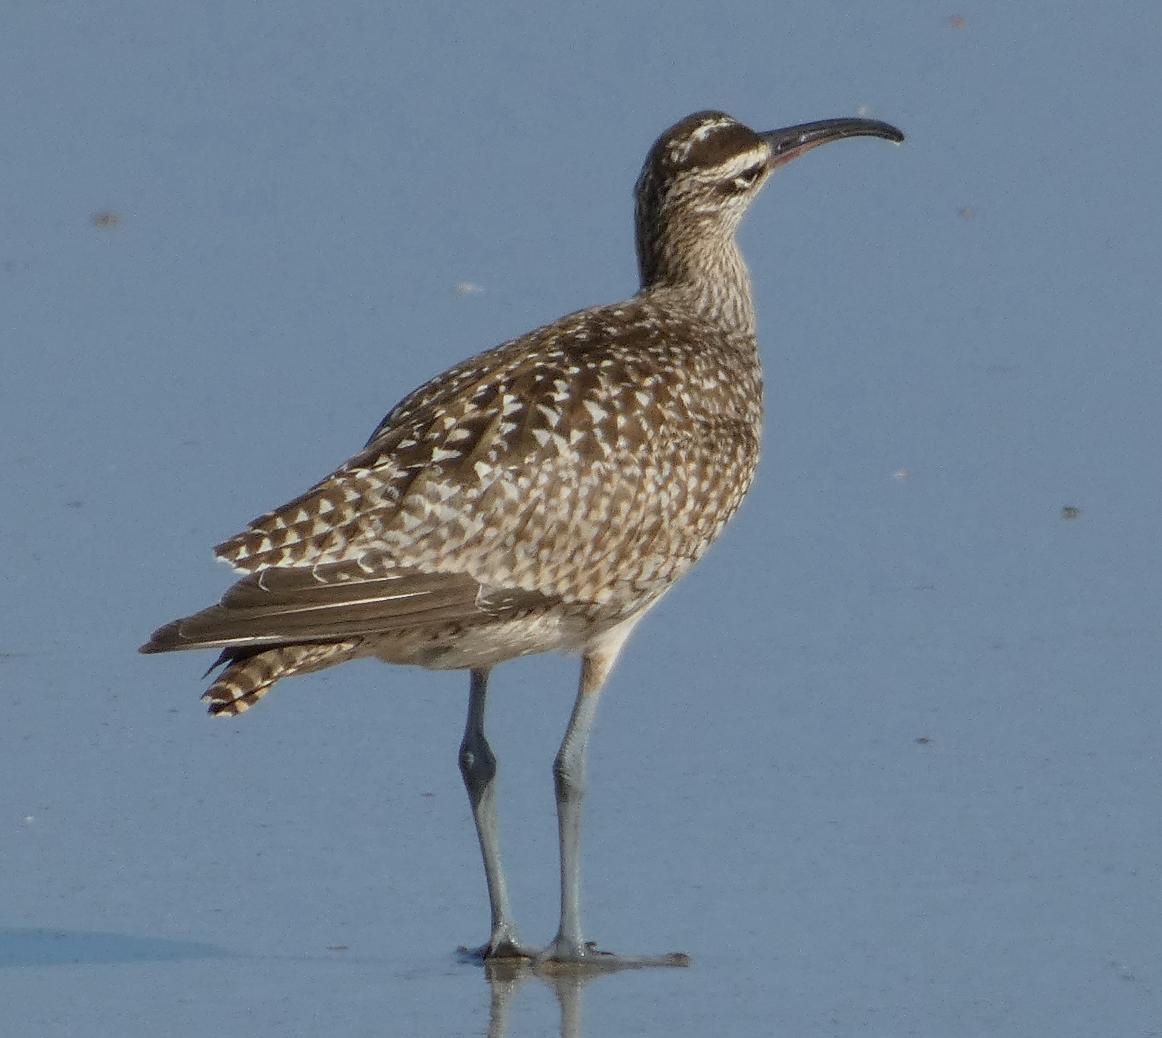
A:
(250, 675)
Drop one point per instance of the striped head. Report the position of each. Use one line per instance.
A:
(700, 178)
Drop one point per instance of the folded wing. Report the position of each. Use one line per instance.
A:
(333, 602)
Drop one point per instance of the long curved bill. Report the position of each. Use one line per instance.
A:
(793, 141)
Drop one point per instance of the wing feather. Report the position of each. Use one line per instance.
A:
(326, 603)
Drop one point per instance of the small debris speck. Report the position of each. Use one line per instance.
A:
(1069, 512)
(336, 947)
(466, 288)
(901, 474)
(965, 213)
(106, 220)
(923, 740)
(955, 21)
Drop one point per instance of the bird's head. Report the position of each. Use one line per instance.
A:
(702, 174)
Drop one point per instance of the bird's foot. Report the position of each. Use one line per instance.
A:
(504, 946)
(563, 956)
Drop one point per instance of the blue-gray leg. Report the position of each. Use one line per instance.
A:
(478, 768)
(569, 946)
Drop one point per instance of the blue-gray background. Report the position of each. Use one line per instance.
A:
(884, 764)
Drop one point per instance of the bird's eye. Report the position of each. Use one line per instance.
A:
(747, 178)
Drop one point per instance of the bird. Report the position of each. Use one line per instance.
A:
(541, 496)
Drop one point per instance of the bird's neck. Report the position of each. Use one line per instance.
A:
(706, 270)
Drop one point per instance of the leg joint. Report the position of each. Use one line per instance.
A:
(477, 761)
(570, 781)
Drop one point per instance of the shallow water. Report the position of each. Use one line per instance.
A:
(884, 764)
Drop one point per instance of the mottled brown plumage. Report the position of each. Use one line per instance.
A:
(540, 496)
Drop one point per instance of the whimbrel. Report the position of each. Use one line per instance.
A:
(541, 496)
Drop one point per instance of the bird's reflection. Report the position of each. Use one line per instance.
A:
(506, 977)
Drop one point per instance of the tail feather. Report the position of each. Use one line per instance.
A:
(250, 675)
